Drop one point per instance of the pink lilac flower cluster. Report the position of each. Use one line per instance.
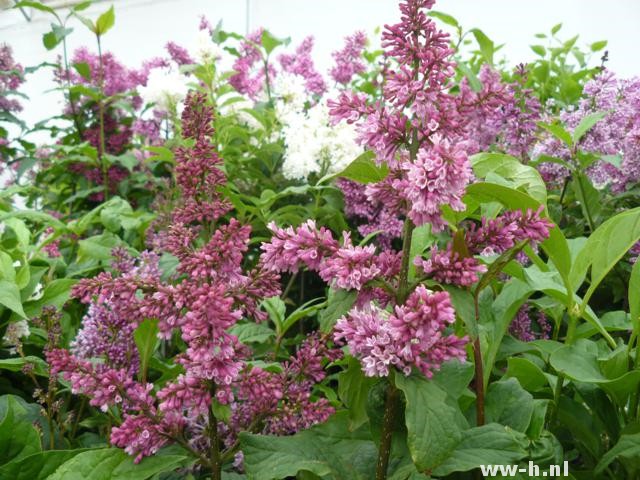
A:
(451, 267)
(252, 73)
(414, 85)
(301, 63)
(501, 116)
(497, 235)
(211, 294)
(283, 400)
(617, 135)
(418, 115)
(179, 54)
(249, 76)
(364, 204)
(11, 77)
(421, 114)
(348, 60)
(413, 335)
(522, 326)
(52, 247)
(341, 265)
(437, 177)
(118, 83)
(106, 332)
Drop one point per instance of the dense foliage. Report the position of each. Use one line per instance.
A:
(226, 264)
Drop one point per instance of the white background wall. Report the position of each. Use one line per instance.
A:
(144, 26)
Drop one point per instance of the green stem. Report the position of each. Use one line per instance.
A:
(633, 409)
(214, 441)
(557, 391)
(571, 329)
(76, 422)
(479, 368)
(387, 431)
(72, 104)
(403, 282)
(592, 225)
(267, 79)
(102, 149)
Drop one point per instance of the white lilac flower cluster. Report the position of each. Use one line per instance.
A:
(15, 331)
(313, 145)
(165, 88)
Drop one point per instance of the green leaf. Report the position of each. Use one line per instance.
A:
(486, 45)
(510, 168)
(507, 403)
(7, 270)
(105, 22)
(627, 448)
(98, 247)
(582, 424)
(49, 40)
(353, 390)
(556, 28)
(454, 377)
(269, 42)
(597, 46)
(434, 426)
(112, 214)
(115, 464)
(588, 196)
(16, 364)
(559, 132)
(146, 338)
(634, 296)
(18, 437)
(83, 69)
(81, 6)
(87, 23)
(471, 77)
(305, 310)
(364, 170)
(252, 332)
(276, 309)
(604, 249)
(10, 297)
(55, 294)
(586, 124)
(339, 303)
(37, 466)
(421, 238)
(582, 362)
(539, 49)
(485, 445)
(23, 234)
(444, 17)
(36, 5)
(530, 375)
(35, 216)
(328, 450)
